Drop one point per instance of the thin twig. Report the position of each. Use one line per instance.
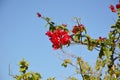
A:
(9, 69)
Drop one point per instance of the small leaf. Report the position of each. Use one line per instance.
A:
(87, 77)
(77, 37)
(52, 28)
(101, 53)
(64, 65)
(107, 52)
(67, 61)
(71, 78)
(113, 26)
(119, 45)
(90, 48)
(51, 78)
(47, 19)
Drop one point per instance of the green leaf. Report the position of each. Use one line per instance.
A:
(71, 78)
(52, 27)
(76, 37)
(97, 66)
(113, 26)
(107, 52)
(51, 78)
(90, 48)
(67, 61)
(64, 64)
(119, 45)
(101, 53)
(47, 19)
(87, 77)
(118, 30)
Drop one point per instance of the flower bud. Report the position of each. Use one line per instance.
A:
(118, 6)
(39, 15)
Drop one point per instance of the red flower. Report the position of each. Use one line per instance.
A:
(55, 41)
(39, 15)
(58, 32)
(101, 39)
(112, 8)
(55, 47)
(75, 29)
(49, 33)
(118, 6)
(58, 38)
(65, 40)
(78, 28)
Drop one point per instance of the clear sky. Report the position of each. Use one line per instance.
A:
(22, 34)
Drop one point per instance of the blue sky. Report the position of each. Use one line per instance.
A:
(22, 34)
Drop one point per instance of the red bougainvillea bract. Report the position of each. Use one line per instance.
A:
(58, 38)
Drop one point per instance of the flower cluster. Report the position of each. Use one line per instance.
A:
(101, 39)
(58, 38)
(80, 28)
(113, 8)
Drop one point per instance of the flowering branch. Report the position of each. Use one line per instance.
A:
(60, 36)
